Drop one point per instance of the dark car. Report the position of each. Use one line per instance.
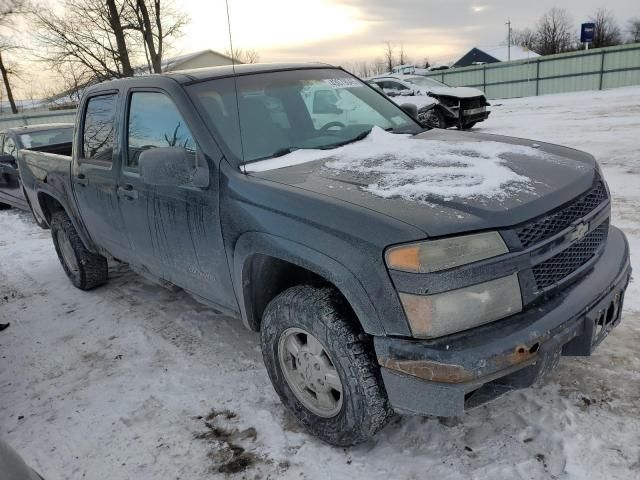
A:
(54, 138)
(386, 267)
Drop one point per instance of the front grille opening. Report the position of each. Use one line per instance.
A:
(547, 226)
(568, 261)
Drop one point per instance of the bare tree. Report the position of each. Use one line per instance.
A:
(9, 9)
(526, 38)
(606, 32)
(243, 55)
(425, 62)
(634, 30)
(402, 56)
(389, 56)
(554, 32)
(156, 23)
(106, 36)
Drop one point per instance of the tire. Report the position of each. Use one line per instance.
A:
(434, 119)
(4, 206)
(468, 126)
(363, 405)
(86, 270)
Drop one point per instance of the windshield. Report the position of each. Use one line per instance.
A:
(44, 138)
(425, 82)
(290, 110)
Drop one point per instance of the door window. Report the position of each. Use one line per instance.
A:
(99, 129)
(155, 122)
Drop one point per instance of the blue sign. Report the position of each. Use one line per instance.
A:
(587, 32)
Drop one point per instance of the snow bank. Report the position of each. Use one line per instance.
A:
(415, 169)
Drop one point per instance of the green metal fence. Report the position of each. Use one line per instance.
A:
(34, 117)
(595, 69)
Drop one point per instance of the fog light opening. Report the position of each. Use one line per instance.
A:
(534, 348)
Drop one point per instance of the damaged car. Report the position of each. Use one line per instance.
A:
(461, 107)
(387, 268)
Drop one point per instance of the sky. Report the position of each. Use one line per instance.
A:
(353, 30)
(344, 32)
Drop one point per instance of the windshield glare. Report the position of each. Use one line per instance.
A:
(301, 109)
(425, 82)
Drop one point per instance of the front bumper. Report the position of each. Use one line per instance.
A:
(446, 375)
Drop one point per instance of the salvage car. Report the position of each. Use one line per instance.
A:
(463, 107)
(387, 268)
(54, 138)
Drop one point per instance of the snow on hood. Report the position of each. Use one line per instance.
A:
(415, 169)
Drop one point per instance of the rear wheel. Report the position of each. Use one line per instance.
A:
(322, 366)
(85, 269)
(468, 126)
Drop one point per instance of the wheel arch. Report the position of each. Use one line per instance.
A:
(274, 264)
(48, 203)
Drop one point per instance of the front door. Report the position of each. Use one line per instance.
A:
(10, 187)
(174, 231)
(94, 177)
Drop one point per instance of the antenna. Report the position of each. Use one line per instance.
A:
(235, 85)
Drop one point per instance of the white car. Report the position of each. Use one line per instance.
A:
(463, 106)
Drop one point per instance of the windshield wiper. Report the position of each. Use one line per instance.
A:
(278, 153)
(361, 136)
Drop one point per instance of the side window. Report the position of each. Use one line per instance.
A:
(9, 147)
(154, 122)
(99, 130)
(397, 86)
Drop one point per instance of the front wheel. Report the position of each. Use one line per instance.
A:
(4, 206)
(322, 366)
(85, 269)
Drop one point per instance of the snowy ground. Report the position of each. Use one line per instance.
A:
(121, 382)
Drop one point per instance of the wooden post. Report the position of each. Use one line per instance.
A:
(537, 77)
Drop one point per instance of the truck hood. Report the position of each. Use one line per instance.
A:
(442, 182)
(458, 92)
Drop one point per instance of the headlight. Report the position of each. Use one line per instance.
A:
(449, 312)
(435, 255)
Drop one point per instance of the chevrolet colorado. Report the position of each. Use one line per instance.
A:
(386, 267)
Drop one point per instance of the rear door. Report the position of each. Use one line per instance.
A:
(94, 176)
(174, 231)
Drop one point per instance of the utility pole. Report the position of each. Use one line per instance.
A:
(508, 24)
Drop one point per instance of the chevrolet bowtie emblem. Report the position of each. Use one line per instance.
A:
(580, 231)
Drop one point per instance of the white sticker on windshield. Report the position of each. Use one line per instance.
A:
(342, 82)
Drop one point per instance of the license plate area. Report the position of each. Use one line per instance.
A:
(605, 316)
(475, 111)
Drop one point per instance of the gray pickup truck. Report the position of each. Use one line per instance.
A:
(386, 267)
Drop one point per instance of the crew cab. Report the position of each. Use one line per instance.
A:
(54, 137)
(461, 107)
(386, 267)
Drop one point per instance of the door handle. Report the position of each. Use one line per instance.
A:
(81, 180)
(127, 191)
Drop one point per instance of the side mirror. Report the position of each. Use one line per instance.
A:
(7, 159)
(410, 109)
(171, 166)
